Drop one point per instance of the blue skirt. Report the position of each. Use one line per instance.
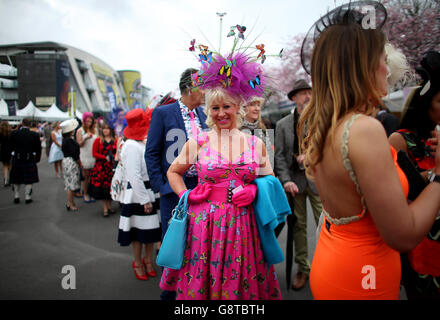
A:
(55, 154)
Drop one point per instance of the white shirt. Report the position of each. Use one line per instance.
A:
(135, 170)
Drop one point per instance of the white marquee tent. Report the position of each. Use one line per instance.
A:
(54, 113)
(30, 111)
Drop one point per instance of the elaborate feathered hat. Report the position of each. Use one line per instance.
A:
(238, 72)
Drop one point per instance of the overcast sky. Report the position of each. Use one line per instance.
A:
(153, 36)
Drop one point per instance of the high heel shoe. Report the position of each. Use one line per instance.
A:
(150, 273)
(69, 208)
(142, 277)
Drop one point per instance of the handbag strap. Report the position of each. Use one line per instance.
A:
(182, 206)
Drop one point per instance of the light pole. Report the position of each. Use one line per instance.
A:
(221, 15)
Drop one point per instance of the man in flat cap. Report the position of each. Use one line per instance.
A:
(289, 167)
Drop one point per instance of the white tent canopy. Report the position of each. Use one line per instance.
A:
(54, 113)
(27, 111)
(30, 111)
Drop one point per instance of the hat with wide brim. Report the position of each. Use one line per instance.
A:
(68, 125)
(299, 85)
(138, 122)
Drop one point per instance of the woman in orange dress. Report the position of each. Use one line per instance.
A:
(366, 219)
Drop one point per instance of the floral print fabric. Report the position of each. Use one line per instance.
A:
(223, 258)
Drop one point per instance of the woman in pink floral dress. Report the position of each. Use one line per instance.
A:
(223, 258)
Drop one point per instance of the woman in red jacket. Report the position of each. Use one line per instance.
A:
(104, 150)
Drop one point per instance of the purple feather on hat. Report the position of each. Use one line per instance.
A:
(245, 79)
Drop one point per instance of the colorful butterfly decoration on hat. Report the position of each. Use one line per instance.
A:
(241, 29)
(226, 68)
(232, 32)
(204, 55)
(262, 52)
(227, 83)
(197, 78)
(261, 48)
(205, 58)
(203, 49)
(254, 83)
(193, 41)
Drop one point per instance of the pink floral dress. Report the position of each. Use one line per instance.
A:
(223, 258)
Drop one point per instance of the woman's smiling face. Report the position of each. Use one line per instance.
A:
(253, 111)
(224, 114)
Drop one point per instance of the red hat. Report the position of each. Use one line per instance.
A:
(138, 122)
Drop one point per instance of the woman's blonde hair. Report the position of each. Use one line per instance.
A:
(215, 95)
(343, 70)
(260, 101)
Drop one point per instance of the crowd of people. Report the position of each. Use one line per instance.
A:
(374, 186)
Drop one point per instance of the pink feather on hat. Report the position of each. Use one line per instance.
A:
(86, 115)
(246, 77)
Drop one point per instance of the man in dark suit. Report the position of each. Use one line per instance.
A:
(170, 127)
(26, 153)
(289, 167)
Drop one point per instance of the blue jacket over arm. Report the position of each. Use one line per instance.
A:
(271, 207)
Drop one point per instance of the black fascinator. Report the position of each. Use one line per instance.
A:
(430, 71)
(368, 14)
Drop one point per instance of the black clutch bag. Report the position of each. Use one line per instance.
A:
(415, 180)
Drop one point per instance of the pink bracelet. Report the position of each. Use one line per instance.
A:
(182, 192)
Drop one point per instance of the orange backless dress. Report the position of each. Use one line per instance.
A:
(351, 260)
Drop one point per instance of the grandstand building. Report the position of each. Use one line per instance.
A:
(49, 73)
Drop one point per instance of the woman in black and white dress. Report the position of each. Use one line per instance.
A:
(70, 162)
(140, 222)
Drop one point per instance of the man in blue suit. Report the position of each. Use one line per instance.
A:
(170, 127)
